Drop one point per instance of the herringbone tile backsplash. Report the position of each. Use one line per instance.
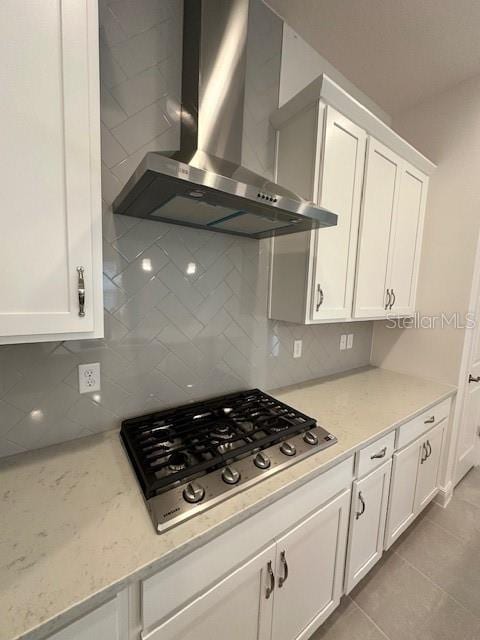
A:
(185, 310)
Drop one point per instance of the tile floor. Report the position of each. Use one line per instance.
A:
(427, 587)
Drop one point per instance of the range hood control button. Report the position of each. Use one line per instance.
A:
(230, 475)
(261, 461)
(193, 492)
(310, 438)
(288, 449)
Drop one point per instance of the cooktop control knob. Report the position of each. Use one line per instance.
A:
(193, 492)
(261, 460)
(288, 449)
(230, 475)
(310, 438)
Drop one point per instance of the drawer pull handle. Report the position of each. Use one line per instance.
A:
(380, 454)
(430, 420)
(81, 292)
(473, 378)
(283, 579)
(271, 586)
(363, 507)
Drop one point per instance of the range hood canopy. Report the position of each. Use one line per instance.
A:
(204, 184)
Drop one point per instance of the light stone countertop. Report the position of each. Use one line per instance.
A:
(74, 528)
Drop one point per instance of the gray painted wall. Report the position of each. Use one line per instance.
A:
(185, 310)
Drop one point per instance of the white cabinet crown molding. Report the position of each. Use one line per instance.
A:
(324, 88)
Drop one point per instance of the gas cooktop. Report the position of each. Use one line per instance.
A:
(190, 458)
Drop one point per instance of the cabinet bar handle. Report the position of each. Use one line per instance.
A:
(283, 579)
(424, 453)
(430, 420)
(271, 586)
(81, 292)
(320, 297)
(473, 379)
(394, 297)
(387, 303)
(362, 510)
(429, 449)
(380, 454)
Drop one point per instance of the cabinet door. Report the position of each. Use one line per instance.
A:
(401, 506)
(309, 570)
(239, 607)
(367, 524)
(406, 239)
(427, 483)
(379, 202)
(340, 190)
(50, 176)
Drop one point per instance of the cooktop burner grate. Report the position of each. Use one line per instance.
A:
(170, 447)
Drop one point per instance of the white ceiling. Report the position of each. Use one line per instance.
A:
(398, 52)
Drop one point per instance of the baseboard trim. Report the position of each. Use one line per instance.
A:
(444, 495)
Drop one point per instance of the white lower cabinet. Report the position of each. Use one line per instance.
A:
(414, 481)
(367, 524)
(239, 606)
(303, 562)
(284, 592)
(309, 571)
(427, 483)
(401, 510)
(107, 622)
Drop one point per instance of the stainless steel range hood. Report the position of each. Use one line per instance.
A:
(204, 184)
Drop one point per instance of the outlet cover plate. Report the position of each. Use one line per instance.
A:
(349, 340)
(297, 348)
(343, 342)
(89, 377)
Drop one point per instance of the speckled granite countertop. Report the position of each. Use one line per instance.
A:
(74, 528)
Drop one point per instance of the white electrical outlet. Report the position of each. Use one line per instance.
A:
(350, 341)
(89, 377)
(343, 342)
(297, 348)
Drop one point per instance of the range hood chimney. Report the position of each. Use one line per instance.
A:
(204, 184)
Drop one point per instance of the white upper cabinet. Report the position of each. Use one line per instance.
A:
(340, 190)
(391, 229)
(50, 174)
(333, 151)
(382, 175)
(320, 155)
(406, 240)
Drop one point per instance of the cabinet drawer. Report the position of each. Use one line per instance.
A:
(375, 454)
(421, 424)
